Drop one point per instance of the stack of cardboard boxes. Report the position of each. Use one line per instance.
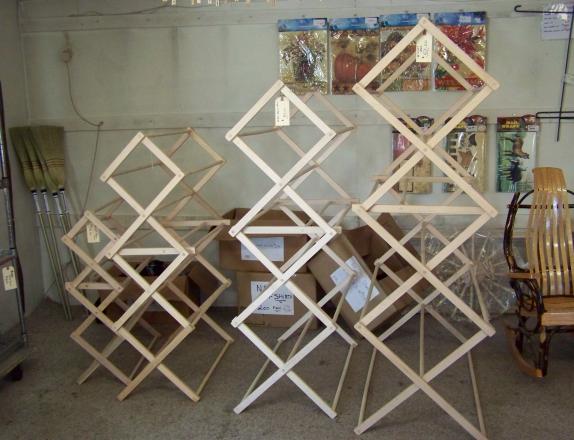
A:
(359, 248)
(281, 309)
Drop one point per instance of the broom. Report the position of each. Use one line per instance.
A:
(22, 142)
(49, 146)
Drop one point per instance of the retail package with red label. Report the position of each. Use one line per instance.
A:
(411, 183)
(354, 52)
(468, 31)
(415, 78)
(466, 144)
(303, 61)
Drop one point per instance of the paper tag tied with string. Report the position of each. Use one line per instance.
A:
(9, 277)
(93, 233)
(424, 49)
(282, 114)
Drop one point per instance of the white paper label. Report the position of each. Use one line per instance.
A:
(371, 20)
(9, 276)
(280, 303)
(556, 26)
(282, 115)
(424, 49)
(272, 247)
(359, 288)
(93, 233)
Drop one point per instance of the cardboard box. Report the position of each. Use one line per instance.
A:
(234, 256)
(282, 309)
(155, 314)
(371, 246)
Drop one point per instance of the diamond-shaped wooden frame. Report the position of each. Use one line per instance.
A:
(423, 143)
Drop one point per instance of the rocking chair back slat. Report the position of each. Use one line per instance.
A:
(549, 245)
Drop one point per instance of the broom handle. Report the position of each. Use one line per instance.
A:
(67, 219)
(50, 251)
(57, 258)
(66, 229)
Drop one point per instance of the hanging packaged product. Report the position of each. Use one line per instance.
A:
(516, 138)
(303, 63)
(410, 182)
(468, 31)
(466, 144)
(354, 51)
(417, 77)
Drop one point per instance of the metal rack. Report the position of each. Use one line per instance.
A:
(13, 343)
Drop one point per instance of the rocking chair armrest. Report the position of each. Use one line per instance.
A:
(522, 276)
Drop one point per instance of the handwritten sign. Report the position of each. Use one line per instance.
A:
(281, 302)
(282, 114)
(359, 288)
(556, 26)
(9, 276)
(93, 233)
(272, 247)
(424, 49)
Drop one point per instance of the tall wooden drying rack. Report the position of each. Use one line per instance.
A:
(424, 144)
(125, 242)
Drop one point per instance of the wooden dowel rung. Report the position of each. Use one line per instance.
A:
(257, 132)
(429, 209)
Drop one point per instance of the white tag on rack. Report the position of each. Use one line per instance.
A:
(282, 114)
(93, 233)
(9, 276)
(424, 49)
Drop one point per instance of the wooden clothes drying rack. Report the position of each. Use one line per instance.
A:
(424, 143)
(319, 231)
(128, 243)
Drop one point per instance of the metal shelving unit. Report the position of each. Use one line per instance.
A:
(13, 342)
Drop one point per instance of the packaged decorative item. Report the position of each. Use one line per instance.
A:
(303, 63)
(468, 31)
(516, 138)
(422, 169)
(393, 28)
(354, 51)
(466, 143)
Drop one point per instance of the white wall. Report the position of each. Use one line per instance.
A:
(206, 67)
(13, 84)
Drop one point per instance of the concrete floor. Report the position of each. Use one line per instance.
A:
(49, 404)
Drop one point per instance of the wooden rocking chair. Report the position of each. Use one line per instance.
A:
(545, 288)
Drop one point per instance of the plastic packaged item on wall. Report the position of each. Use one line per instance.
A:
(418, 76)
(466, 143)
(354, 51)
(303, 63)
(468, 31)
(422, 169)
(516, 139)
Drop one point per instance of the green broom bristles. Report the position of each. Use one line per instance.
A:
(49, 145)
(18, 136)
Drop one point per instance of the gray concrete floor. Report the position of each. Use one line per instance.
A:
(49, 404)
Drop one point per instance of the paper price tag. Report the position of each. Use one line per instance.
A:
(282, 114)
(9, 276)
(93, 233)
(424, 49)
